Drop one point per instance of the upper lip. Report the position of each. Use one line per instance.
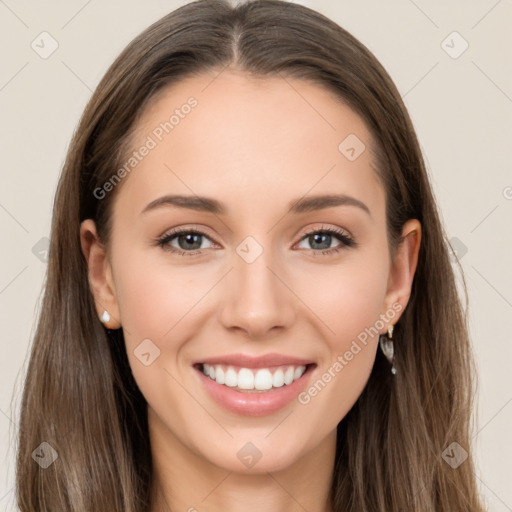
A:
(248, 361)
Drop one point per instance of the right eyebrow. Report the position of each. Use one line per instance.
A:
(203, 204)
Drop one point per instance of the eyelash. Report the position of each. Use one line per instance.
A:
(347, 241)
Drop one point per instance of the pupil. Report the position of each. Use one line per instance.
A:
(316, 238)
(190, 239)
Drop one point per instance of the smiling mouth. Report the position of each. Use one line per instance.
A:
(254, 380)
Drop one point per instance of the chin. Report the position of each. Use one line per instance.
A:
(259, 456)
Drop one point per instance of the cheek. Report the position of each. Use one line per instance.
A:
(347, 298)
(153, 298)
(156, 301)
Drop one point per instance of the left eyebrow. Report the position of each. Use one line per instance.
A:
(319, 202)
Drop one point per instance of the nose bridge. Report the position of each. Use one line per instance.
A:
(258, 301)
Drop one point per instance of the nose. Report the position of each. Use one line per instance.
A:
(257, 299)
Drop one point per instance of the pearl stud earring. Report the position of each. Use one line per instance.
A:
(105, 317)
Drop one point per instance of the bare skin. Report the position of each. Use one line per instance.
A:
(256, 146)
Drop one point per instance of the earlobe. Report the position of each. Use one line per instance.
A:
(403, 267)
(100, 275)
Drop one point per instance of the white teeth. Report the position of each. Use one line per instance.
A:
(278, 378)
(231, 378)
(219, 375)
(288, 375)
(261, 379)
(245, 379)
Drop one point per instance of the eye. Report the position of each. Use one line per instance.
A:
(321, 239)
(188, 241)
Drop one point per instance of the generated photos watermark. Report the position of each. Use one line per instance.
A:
(157, 135)
(342, 360)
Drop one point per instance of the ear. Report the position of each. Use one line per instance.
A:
(403, 268)
(100, 274)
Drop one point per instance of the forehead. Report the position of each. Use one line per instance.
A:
(230, 132)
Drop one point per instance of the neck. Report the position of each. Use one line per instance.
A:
(185, 481)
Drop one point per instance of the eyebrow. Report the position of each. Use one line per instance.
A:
(301, 205)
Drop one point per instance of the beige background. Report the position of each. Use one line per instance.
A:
(461, 108)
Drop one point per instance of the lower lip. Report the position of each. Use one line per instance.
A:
(254, 403)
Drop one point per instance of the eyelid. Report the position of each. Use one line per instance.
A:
(193, 228)
(324, 228)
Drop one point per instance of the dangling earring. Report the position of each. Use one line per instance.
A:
(105, 317)
(386, 345)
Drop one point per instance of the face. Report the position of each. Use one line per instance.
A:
(269, 288)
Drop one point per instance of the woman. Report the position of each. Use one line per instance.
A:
(249, 302)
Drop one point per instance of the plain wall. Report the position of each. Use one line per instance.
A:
(461, 108)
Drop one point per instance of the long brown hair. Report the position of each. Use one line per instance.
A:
(80, 396)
